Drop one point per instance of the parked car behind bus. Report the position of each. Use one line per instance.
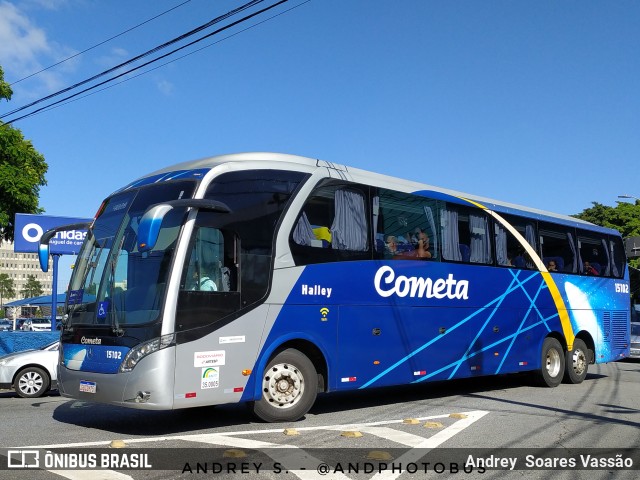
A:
(37, 325)
(31, 373)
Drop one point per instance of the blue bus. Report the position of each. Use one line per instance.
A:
(268, 278)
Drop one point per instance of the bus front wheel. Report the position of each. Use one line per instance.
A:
(552, 363)
(289, 387)
(577, 363)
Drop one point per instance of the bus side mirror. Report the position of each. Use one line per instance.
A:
(43, 256)
(43, 248)
(149, 227)
(151, 221)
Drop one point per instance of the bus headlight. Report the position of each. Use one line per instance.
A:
(138, 352)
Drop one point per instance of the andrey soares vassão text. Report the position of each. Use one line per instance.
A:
(583, 461)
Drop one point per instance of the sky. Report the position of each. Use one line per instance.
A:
(530, 102)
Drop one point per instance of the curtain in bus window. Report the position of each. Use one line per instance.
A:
(432, 223)
(349, 228)
(480, 247)
(501, 246)
(575, 255)
(616, 273)
(303, 233)
(606, 270)
(530, 236)
(376, 214)
(450, 236)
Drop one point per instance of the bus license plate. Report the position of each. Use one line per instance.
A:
(88, 387)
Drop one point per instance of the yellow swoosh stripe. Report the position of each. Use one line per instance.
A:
(565, 322)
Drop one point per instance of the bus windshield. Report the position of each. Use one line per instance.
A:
(113, 283)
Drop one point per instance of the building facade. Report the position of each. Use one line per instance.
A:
(18, 266)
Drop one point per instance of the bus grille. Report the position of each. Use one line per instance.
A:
(615, 328)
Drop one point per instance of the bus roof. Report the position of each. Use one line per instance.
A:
(198, 168)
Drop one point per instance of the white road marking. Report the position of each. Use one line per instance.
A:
(349, 426)
(403, 438)
(289, 454)
(91, 475)
(434, 441)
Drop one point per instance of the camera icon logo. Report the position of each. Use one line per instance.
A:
(23, 459)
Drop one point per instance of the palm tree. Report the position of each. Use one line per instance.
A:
(7, 288)
(33, 288)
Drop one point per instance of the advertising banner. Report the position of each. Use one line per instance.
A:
(29, 229)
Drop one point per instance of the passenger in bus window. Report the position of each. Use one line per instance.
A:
(589, 269)
(203, 283)
(551, 266)
(391, 247)
(421, 248)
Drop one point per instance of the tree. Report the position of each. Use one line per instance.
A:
(33, 288)
(7, 287)
(22, 172)
(624, 217)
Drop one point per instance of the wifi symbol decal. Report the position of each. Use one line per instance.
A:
(324, 311)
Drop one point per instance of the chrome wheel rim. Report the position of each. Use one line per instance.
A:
(30, 383)
(283, 385)
(553, 363)
(578, 361)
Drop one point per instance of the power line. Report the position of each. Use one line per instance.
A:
(71, 99)
(99, 44)
(138, 57)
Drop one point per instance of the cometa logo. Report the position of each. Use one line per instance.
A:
(387, 284)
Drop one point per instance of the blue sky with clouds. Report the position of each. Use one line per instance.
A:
(535, 103)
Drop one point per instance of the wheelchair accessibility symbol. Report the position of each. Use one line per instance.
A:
(103, 307)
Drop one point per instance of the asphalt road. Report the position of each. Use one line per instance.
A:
(484, 418)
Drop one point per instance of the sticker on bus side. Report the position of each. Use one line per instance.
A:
(210, 378)
(209, 359)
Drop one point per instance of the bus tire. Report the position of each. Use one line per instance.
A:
(576, 363)
(552, 363)
(289, 388)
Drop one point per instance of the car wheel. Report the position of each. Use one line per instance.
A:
(32, 382)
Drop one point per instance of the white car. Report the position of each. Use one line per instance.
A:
(635, 340)
(37, 325)
(31, 373)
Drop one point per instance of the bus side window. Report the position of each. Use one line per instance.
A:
(593, 251)
(399, 220)
(509, 251)
(332, 226)
(465, 235)
(557, 247)
(210, 267)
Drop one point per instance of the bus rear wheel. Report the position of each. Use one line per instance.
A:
(289, 387)
(577, 363)
(552, 363)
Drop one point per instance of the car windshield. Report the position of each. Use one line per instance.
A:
(40, 320)
(113, 283)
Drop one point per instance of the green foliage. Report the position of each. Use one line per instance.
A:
(624, 217)
(22, 173)
(5, 88)
(7, 287)
(33, 288)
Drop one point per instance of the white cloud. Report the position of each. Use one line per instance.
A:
(25, 49)
(20, 41)
(165, 87)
